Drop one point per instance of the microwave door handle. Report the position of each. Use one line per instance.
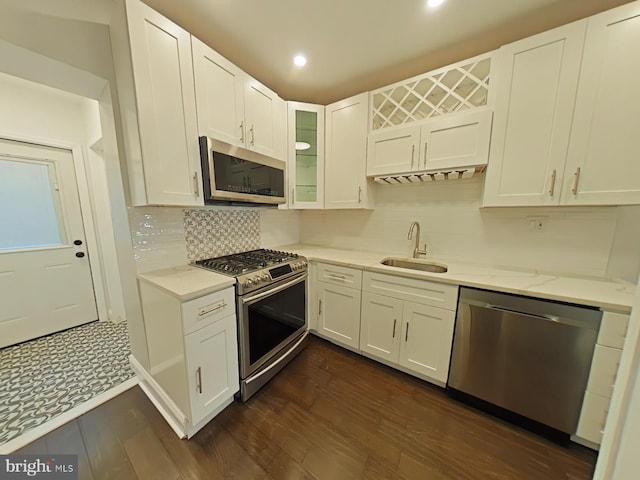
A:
(262, 295)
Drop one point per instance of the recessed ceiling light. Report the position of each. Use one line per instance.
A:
(300, 60)
(434, 3)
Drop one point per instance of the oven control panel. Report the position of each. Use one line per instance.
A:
(257, 280)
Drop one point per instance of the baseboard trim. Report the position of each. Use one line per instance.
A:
(41, 430)
(163, 403)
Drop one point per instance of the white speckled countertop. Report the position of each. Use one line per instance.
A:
(606, 294)
(186, 282)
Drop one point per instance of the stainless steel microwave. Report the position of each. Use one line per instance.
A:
(235, 174)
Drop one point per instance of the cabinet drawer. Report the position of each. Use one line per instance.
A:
(420, 291)
(593, 417)
(205, 310)
(613, 329)
(603, 370)
(337, 275)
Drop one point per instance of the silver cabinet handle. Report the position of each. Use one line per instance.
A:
(199, 379)
(253, 135)
(553, 182)
(413, 154)
(333, 276)
(393, 335)
(406, 333)
(196, 184)
(576, 179)
(204, 311)
(359, 194)
(319, 307)
(426, 144)
(242, 131)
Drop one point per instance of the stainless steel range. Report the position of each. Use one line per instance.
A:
(271, 308)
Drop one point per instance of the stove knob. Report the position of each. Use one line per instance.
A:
(303, 264)
(247, 283)
(294, 266)
(265, 277)
(256, 280)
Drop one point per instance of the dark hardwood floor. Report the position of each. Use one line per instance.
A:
(330, 414)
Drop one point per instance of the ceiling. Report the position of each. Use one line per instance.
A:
(351, 45)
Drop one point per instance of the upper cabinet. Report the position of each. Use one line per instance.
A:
(436, 121)
(603, 164)
(306, 155)
(447, 142)
(346, 153)
(154, 74)
(236, 108)
(565, 112)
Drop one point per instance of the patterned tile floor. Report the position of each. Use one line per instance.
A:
(48, 376)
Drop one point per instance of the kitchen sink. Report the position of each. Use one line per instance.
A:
(415, 264)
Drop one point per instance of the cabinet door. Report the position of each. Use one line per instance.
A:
(602, 163)
(305, 148)
(394, 151)
(456, 140)
(536, 84)
(380, 326)
(425, 342)
(263, 109)
(212, 366)
(346, 153)
(219, 94)
(339, 313)
(166, 107)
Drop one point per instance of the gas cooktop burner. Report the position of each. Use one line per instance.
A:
(257, 268)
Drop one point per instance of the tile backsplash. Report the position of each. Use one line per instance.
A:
(214, 233)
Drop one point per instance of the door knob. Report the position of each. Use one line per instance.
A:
(77, 242)
(80, 254)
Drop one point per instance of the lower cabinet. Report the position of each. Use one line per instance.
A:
(339, 304)
(415, 336)
(212, 366)
(193, 355)
(602, 378)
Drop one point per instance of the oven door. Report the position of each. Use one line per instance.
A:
(269, 320)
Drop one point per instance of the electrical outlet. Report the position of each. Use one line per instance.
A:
(536, 223)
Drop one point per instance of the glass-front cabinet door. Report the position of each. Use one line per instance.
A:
(305, 155)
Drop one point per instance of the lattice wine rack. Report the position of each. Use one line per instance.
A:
(450, 89)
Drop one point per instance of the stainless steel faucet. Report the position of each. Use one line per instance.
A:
(416, 246)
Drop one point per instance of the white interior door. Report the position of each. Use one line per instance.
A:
(45, 277)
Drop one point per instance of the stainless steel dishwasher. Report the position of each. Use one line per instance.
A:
(525, 356)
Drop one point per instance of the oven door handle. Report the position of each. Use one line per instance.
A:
(281, 359)
(277, 289)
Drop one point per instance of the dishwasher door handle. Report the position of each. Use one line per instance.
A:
(551, 318)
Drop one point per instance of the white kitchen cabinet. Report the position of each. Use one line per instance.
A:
(381, 326)
(338, 309)
(456, 140)
(602, 162)
(193, 354)
(220, 94)
(235, 108)
(305, 146)
(212, 366)
(154, 73)
(425, 344)
(346, 184)
(408, 323)
(602, 378)
(566, 107)
(536, 84)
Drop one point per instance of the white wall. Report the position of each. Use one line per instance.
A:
(572, 241)
(624, 261)
(29, 110)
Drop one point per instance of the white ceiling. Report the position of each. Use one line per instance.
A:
(352, 45)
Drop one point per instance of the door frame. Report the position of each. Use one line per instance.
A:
(86, 209)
